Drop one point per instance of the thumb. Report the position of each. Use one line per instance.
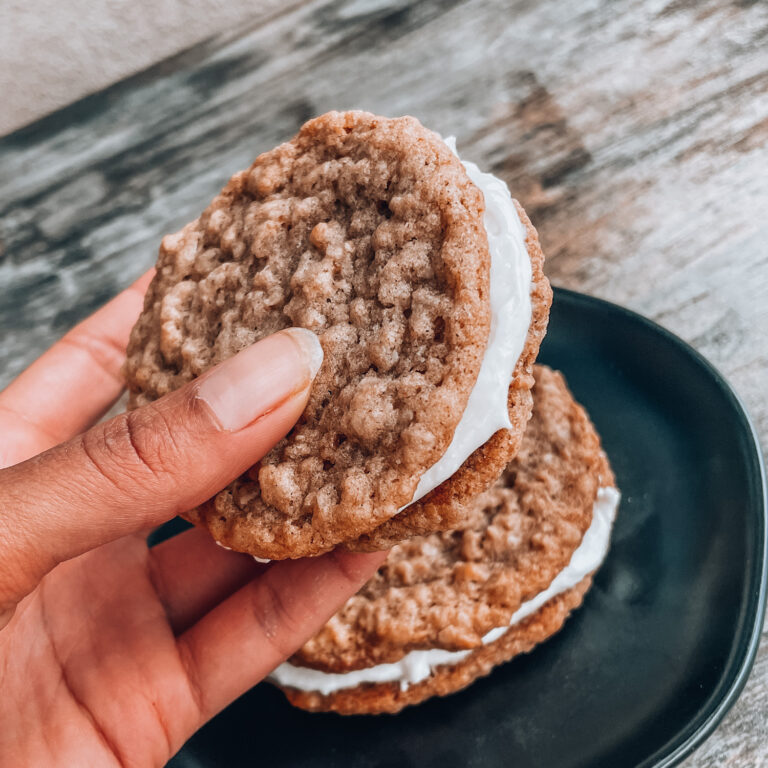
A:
(142, 468)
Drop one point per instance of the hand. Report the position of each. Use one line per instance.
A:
(113, 653)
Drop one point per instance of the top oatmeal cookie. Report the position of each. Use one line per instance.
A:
(367, 231)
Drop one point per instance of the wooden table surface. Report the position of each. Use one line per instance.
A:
(634, 133)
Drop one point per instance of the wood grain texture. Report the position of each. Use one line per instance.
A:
(634, 133)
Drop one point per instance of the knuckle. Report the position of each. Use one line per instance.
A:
(134, 447)
(150, 441)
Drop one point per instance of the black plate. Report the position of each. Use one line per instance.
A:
(666, 637)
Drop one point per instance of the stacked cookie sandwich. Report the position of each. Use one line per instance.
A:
(423, 281)
(447, 607)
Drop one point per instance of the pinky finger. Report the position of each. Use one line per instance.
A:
(244, 638)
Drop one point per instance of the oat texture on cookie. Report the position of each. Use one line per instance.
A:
(367, 231)
(444, 507)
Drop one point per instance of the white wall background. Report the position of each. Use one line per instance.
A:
(52, 52)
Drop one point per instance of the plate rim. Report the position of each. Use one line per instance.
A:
(731, 681)
(738, 669)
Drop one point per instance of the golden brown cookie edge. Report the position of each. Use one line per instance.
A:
(379, 698)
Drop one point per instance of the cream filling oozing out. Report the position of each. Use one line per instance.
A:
(510, 299)
(418, 665)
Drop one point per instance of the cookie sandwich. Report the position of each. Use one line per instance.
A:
(423, 281)
(446, 608)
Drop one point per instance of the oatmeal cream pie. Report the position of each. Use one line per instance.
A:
(446, 608)
(424, 284)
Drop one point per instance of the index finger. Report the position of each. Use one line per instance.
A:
(71, 385)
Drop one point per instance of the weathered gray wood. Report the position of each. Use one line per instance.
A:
(635, 133)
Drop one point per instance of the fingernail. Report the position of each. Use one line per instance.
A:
(261, 377)
(310, 347)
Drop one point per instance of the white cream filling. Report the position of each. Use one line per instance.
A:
(257, 559)
(418, 665)
(510, 289)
